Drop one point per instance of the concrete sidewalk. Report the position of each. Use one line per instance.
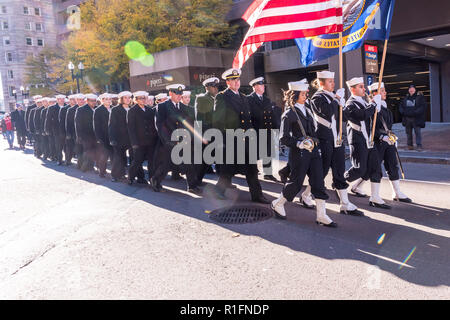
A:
(435, 143)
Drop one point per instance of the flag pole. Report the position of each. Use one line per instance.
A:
(341, 83)
(380, 79)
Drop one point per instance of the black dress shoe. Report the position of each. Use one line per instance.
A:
(359, 195)
(304, 204)
(261, 199)
(355, 212)
(142, 181)
(270, 177)
(195, 190)
(377, 205)
(406, 200)
(330, 225)
(154, 185)
(283, 178)
(277, 215)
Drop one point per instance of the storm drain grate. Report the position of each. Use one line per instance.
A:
(241, 214)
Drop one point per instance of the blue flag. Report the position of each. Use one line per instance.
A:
(363, 20)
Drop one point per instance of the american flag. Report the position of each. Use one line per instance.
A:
(272, 20)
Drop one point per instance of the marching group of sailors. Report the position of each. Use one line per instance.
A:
(95, 129)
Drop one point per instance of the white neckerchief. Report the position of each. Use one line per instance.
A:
(142, 108)
(329, 95)
(383, 103)
(235, 92)
(360, 100)
(60, 106)
(126, 108)
(363, 123)
(301, 107)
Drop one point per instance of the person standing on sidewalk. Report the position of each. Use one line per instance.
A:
(8, 129)
(412, 110)
(18, 118)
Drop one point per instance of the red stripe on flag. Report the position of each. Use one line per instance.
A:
(307, 16)
(284, 35)
(255, 4)
(289, 3)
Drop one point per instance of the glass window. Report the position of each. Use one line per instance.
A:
(10, 74)
(39, 27)
(40, 42)
(4, 9)
(27, 25)
(29, 41)
(5, 25)
(25, 10)
(6, 41)
(37, 11)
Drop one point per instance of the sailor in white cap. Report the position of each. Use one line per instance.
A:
(363, 153)
(264, 118)
(186, 98)
(29, 125)
(143, 137)
(119, 137)
(51, 127)
(299, 133)
(170, 116)
(161, 97)
(81, 99)
(84, 129)
(325, 106)
(44, 145)
(56, 135)
(114, 99)
(385, 142)
(150, 101)
(71, 146)
(33, 125)
(101, 118)
(203, 109)
(232, 111)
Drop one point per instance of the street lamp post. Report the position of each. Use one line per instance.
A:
(14, 93)
(77, 76)
(25, 91)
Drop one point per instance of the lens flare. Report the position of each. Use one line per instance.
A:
(168, 77)
(407, 258)
(136, 51)
(381, 238)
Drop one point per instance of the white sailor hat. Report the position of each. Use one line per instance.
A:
(37, 97)
(125, 94)
(140, 94)
(160, 96)
(66, 100)
(73, 96)
(114, 95)
(186, 93)
(60, 96)
(177, 88)
(304, 80)
(81, 96)
(151, 97)
(38, 100)
(232, 73)
(325, 74)
(298, 86)
(374, 86)
(354, 81)
(105, 96)
(51, 99)
(259, 80)
(211, 82)
(91, 96)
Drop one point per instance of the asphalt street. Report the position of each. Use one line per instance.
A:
(69, 235)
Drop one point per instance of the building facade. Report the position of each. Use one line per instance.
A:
(418, 53)
(26, 26)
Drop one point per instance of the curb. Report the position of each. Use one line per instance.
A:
(430, 160)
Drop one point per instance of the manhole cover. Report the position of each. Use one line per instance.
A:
(241, 214)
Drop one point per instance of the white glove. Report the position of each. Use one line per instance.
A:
(340, 93)
(386, 139)
(300, 145)
(342, 102)
(377, 100)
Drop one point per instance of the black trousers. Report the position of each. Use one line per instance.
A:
(59, 141)
(45, 146)
(119, 162)
(105, 152)
(251, 175)
(164, 164)
(90, 155)
(37, 146)
(388, 155)
(334, 158)
(365, 163)
(302, 163)
(69, 149)
(21, 138)
(79, 153)
(52, 146)
(410, 124)
(140, 154)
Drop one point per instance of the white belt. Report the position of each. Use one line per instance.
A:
(330, 125)
(362, 129)
(323, 121)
